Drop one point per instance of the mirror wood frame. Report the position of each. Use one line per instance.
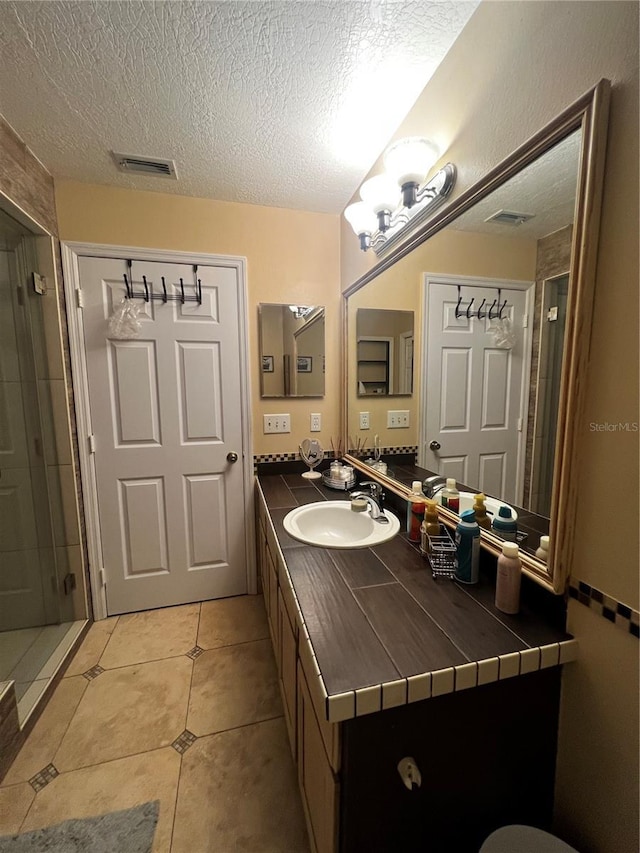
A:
(589, 114)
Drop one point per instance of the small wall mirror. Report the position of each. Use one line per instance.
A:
(291, 350)
(384, 357)
(501, 283)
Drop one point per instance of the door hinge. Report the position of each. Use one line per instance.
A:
(519, 425)
(101, 576)
(91, 440)
(79, 298)
(525, 321)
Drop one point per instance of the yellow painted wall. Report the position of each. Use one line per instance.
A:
(292, 256)
(513, 69)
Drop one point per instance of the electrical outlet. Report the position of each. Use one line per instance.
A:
(315, 419)
(276, 423)
(364, 420)
(398, 419)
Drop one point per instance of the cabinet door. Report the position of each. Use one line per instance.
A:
(261, 555)
(272, 601)
(287, 668)
(317, 783)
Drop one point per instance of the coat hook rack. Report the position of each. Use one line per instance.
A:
(148, 295)
(468, 312)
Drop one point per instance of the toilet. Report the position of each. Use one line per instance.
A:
(524, 839)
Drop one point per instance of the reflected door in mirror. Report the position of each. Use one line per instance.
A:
(477, 388)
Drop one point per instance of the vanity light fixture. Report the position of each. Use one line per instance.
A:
(301, 311)
(382, 214)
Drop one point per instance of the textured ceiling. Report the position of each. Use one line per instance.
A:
(278, 103)
(546, 188)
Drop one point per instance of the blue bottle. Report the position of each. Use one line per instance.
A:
(467, 548)
(504, 524)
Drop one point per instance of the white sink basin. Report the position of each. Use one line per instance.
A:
(492, 505)
(333, 524)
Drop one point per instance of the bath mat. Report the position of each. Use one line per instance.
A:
(130, 830)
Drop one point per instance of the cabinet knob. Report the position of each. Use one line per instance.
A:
(232, 457)
(409, 772)
(434, 445)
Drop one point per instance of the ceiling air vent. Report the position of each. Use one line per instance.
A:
(510, 217)
(136, 165)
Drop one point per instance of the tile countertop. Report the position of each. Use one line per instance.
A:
(379, 631)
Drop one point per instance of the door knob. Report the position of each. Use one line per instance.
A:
(232, 457)
(434, 445)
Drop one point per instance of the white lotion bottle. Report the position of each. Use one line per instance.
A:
(543, 551)
(508, 579)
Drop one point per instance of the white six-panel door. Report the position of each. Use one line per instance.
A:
(474, 405)
(165, 413)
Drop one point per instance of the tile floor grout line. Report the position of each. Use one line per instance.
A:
(107, 761)
(64, 734)
(241, 726)
(182, 654)
(175, 805)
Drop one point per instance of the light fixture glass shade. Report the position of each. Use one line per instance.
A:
(361, 218)
(409, 160)
(380, 193)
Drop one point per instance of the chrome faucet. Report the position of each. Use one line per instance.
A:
(374, 498)
(432, 485)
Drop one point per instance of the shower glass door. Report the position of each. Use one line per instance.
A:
(32, 608)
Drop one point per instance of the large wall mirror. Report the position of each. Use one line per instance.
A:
(501, 286)
(291, 350)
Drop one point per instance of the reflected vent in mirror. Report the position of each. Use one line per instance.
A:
(510, 217)
(134, 164)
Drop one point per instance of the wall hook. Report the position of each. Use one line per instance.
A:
(129, 289)
(458, 313)
(164, 290)
(146, 288)
(182, 291)
(468, 312)
(481, 316)
(502, 307)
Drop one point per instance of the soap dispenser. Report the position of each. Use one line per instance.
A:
(480, 510)
(430, 525)
(416, 508)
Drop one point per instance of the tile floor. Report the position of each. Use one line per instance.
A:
(179, 705)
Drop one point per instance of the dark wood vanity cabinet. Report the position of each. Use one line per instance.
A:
(486, 757)
(486, 754)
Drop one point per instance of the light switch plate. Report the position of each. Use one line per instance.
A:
(276, 424)
(398, 419)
